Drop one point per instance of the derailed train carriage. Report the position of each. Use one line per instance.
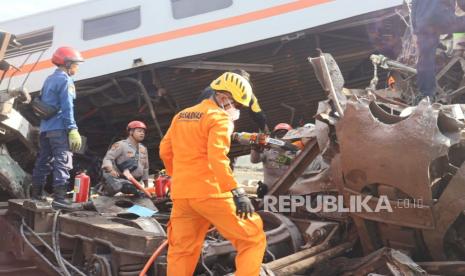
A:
(359, 161)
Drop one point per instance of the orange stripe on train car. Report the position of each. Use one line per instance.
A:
(184, 32)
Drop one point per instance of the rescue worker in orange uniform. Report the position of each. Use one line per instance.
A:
(204, 191)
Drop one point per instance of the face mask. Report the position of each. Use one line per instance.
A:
(233, 113)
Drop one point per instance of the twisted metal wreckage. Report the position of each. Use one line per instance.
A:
(367, 144)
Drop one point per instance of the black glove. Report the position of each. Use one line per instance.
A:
(262, 189)
(244, 207)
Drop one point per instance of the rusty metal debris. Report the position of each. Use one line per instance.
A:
(367, 143)
(375, 149)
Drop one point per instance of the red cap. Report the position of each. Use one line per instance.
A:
(282, 126)
(136, 124)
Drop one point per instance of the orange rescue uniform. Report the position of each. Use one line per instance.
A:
(194, 151)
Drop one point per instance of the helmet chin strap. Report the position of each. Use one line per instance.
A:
(216, 100)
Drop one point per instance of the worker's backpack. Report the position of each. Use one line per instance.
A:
(42, 110)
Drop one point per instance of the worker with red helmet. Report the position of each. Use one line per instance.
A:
(128, 154)
(275, 161)
(59, 135)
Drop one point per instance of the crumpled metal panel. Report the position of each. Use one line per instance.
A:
(13, 179)
(333, 75)
(396, 154)
(450, 205)
(314, 181)
(321, 125)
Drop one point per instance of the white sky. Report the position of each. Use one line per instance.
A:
(10, 9)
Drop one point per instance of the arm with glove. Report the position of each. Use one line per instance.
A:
(67, 96)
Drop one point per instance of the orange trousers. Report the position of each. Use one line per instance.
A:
(189, 223)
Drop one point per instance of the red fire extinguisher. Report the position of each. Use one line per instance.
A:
(162, 185)
(81, 187)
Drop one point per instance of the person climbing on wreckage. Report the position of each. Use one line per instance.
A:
(430, 19)
(59, 135)
(275, 161)
(128, 154)
(203, 190)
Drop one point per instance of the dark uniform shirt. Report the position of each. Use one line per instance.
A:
(124, 150)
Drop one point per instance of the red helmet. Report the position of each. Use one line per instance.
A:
(64, 56)
(282, 126)
(136, 124)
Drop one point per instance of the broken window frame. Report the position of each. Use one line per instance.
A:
(32, 42)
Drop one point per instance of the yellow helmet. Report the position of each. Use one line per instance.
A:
(235, 84)
(255, 107)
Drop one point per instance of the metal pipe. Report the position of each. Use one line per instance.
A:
(37, 236)
(387, 63)
(298, 256)
(147, 100)
(378, 96)
(401, 67)
(11, 270)
(226, 66)
(312, 261)
(36, 251)
(91, 91)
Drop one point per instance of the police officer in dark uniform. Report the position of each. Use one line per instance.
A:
(59, 134)
(128, 154)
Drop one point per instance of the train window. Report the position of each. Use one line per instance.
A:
(31, 42)
(187, 8)
(109, 24)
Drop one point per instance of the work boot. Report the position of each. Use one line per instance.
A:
(60, 201)
(37, 192)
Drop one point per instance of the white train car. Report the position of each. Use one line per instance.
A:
(117, 35)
